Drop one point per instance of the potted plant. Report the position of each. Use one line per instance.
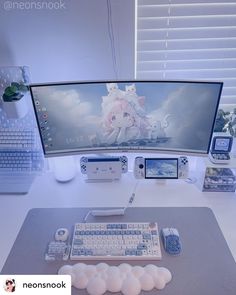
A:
(14, 98)
(14, 92)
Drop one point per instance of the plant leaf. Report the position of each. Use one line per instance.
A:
(23, 88)
(10, 90)
(17, 85)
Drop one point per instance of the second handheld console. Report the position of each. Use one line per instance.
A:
(161, 168)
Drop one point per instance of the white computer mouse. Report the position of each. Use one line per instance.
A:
(64, 168)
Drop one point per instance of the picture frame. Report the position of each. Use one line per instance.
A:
(226, 119)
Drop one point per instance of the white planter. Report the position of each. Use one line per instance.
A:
(16, 109)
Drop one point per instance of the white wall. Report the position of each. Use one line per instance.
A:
(71, 43)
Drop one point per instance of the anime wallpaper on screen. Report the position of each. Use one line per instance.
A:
(136, 115)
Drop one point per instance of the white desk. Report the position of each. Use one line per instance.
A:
(47, 193)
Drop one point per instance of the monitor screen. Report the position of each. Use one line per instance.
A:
(161, 168)
(140, 116)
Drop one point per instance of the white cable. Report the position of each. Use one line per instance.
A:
(111, 37)
(191, 180)
(86, 216)
(131, 199)
(112, 212)
(108, 212)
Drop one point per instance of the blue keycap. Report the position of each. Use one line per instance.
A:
(147, 236)
(142, 247)
(78, 242)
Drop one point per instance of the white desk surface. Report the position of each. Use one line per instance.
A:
(47, 193)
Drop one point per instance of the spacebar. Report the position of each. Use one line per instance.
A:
(110, 252)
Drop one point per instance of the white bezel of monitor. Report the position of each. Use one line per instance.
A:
(123, 149)
(158, 173)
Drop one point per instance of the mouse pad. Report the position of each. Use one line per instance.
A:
(205, 266)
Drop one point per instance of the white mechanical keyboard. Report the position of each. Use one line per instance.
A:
(13, 138)
(116, 241)
(20, 161)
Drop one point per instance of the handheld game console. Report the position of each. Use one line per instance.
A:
(104, 167)
(161, 168)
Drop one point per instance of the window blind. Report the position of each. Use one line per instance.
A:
(187, 40)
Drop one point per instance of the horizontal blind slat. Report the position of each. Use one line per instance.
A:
(154, 2)
(186, 44)
(185, 65)
(186, 54)
(186, 33)
(187, 40)
(186, 22)
(188, 10)
(195, 74)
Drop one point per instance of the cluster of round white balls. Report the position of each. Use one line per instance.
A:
(130, 280)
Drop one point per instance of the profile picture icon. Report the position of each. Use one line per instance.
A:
(10, 285)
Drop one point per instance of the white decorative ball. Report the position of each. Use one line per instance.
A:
(123, 275)
(147, 282)
(125, 267)
(102, 266)
(159, 282)
(81, 281)
(96, 286)
(90, 270)
(131, 286)
(151, 269)
(113, 271)
(114, 283)
(65, 270)
(68, 270)
(103, 275)
(165, 273)
(79, 268)
(137, 271)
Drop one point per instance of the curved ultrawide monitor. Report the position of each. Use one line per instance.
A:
(138, 116)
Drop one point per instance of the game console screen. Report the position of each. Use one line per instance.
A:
(222, 144)
(92, 117)
(161, 168)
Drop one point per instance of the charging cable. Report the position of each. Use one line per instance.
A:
(113, 212)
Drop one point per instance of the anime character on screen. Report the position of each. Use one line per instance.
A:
(136, 101)
(113, 90)
(122, 116)
(114, 93)
(157, 127)
(120, 123)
